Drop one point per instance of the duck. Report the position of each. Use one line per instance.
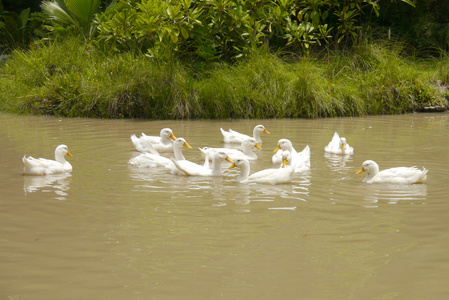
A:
(234, 137)
(282, 145)
(247, 150)
(338, 145)
(268, 176)
(192, 169)
(154, 159)
(162, 143)
(301, 160)
(43, 166)
(398, 175)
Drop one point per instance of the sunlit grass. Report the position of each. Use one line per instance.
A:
(72, 79)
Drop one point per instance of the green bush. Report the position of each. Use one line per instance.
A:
(18, 30)
(230, 29)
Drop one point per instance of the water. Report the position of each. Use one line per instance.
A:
(111, 231)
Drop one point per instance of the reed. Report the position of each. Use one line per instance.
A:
(74, 79)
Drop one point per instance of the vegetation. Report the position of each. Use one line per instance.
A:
(164, 59)
(17, 30)
(71, 79)
(425, 27)
(220, 29)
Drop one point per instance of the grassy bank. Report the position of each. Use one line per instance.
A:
(72, 79)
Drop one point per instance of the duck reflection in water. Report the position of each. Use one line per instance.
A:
(59, 183)
(338, 163)
(394, 194)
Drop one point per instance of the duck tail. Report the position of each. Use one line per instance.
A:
(203, 151)
(423, 177)
(136, 142)
(26, 161)
(134, 139)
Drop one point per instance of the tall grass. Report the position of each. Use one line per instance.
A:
(386, 81)
(70, 78)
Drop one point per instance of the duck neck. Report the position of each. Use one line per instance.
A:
(216, 167)
(375, 170)
(166, 140)
(60, 157)
(244, 173)
(371, 173)
(247, 150)
(178, 153)
(256, 135)
(289, 147)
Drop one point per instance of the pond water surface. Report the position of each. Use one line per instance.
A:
(112, 231)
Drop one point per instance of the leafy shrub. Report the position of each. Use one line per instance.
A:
(227, 29)
(19, 30)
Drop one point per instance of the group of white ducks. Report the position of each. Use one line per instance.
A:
(287, 160)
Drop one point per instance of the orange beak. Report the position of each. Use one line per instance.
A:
(360, 171)
(232, 166)
(277, 148)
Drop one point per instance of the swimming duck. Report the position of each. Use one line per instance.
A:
(192, 169)
(398, 175)
(162, 143)
(301, 160)
(267, 176)
(234, 137)
(42, 166)
(247, 150)
(339, 146)
(154, 159)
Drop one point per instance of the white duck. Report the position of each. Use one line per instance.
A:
(154, 159)
(247, 150)
(42, 166)
(301, 160)
(339, 146)
(399, 175)
(234, 137)
(162, 143)
(267, 176)
(192, 169)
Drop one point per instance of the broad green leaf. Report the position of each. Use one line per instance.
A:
(24, 14)
(84, 10)
(56, 12)
(409, 2)
(184, 33)
(315, 18)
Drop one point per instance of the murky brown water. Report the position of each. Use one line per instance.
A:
(110, 231)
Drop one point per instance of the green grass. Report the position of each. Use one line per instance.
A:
(72, 79)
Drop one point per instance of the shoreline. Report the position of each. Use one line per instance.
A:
(70, 79)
